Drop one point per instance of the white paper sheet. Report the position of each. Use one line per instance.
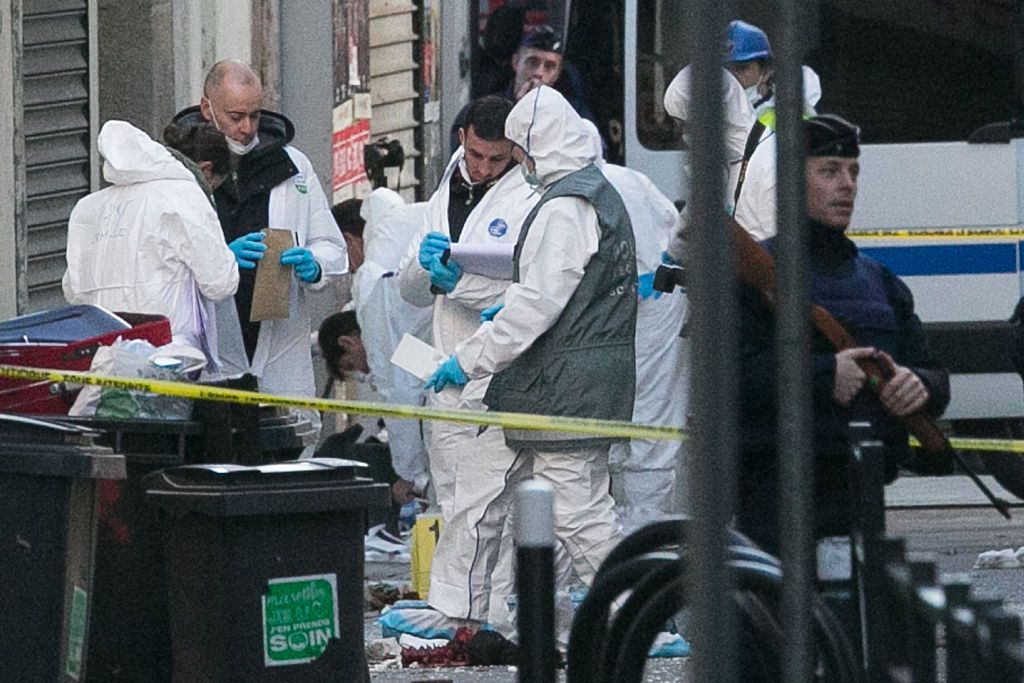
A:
(417, 357)
(489, 260)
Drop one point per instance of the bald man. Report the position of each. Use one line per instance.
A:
(272, 185)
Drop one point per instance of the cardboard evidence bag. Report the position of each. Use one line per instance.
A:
(272, 289)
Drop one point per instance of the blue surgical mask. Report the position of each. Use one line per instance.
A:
(531, 177)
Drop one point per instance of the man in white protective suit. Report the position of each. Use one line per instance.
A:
(750, 124)
(272, 184)
(644, 472)
(150, 242)
(481, 200)
(563, 343)
(384, 317)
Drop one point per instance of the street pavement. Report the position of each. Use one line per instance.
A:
(944, 519)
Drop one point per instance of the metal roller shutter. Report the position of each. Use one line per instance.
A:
(55, 69)
(392, 82)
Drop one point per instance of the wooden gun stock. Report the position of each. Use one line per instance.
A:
(756, 268)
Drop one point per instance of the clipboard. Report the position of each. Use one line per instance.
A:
(272, 290)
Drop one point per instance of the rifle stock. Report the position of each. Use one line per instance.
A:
(756, 268)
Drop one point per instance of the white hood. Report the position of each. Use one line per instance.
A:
(391, 225)
(378, 203)
(130, 156)
(545, 125)
(596, 146)
(812, 90)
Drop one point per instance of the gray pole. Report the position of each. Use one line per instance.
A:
(712, 292)
(535, 582)
(792, 347)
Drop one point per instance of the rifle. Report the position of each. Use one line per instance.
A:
(756, 268)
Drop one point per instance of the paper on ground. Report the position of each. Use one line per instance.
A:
(417, 357)
(490, 260)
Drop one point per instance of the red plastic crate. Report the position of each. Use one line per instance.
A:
(46, 398)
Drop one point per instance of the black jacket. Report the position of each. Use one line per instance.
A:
(877, 309)
(834, 258)
(243, 199)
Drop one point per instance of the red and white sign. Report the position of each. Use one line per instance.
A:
(347, 149)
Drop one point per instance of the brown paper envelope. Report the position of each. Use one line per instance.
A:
(273, 280)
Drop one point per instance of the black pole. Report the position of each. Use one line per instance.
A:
(792, 348)
(535, 582)
(712, 291)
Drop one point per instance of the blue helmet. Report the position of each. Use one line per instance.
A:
(746, 42)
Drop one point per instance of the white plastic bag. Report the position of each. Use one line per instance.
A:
(139, 359)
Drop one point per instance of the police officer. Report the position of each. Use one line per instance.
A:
(876, 308)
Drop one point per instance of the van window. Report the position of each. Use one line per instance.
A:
(905, 71)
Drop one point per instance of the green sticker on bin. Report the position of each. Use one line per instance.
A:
(300, 616)
(76, 633)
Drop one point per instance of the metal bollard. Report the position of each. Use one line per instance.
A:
(923, 613)
(891, 626)
(998, 633)
(958, 595)
(963, 659)
(535, 582)
(867, 473)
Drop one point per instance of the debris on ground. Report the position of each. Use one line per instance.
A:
(453, 653)
(380, 546)
(382, 594)
(383, 649)
(419, 619)
(1007, 558)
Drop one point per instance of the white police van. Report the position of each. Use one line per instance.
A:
(940, 197)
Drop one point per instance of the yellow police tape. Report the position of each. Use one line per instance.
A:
(972, 233)
(525, 421)
(567, 425)
(992, 445)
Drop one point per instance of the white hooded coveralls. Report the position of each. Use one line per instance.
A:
(384, 317)
(469, 467)
(755, 208)
(644, 472)
(562, 240)
(150, 242)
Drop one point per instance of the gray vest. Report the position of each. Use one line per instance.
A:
(585, 365)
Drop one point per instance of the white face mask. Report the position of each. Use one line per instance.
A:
(241, 150)
(753, 95)
(234, 146)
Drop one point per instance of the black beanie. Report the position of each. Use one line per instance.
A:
(543, 38)
(829, 135)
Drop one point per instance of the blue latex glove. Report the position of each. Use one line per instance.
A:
(645, 287)
(487, 315)
(306, 267)
(443, 276)
(447, 373)
(668, 260)
(432, 245)
(248, 249)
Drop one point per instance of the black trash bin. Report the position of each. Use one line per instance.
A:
(129, 633)
(265, 569)
(49, 480)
